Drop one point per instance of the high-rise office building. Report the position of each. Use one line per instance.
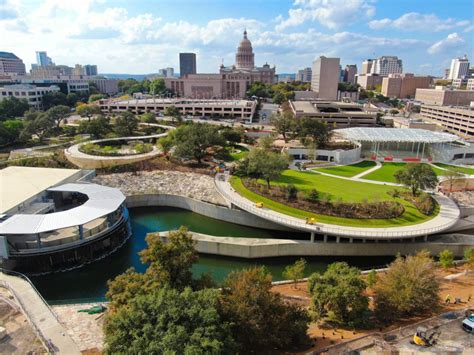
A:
(304, 75)
(367, 66)
(42, 59)
(387, 65)
(90, 70)
(325, 77)
(350, 73)
(459, 68)
(10, 64)
(187, 63)
(169, 72)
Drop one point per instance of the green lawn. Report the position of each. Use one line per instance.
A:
(350, 191)
(387, 172)
(348, 170)
(461, 169)
(238, 152)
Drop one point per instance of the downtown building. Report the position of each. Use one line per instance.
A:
(403, 86)
(231, 82)
(325, 77)
(187, 64)
(304, 75)
(10, 64)
(31, 93)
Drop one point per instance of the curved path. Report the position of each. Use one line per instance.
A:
(88, 161)
(40, 315)
(448, 216)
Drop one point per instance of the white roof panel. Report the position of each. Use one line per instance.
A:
(102, 200)
(380, 134)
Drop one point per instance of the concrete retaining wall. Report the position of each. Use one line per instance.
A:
(203, 208)
(252, 248)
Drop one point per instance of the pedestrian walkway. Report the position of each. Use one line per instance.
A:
(448, 216)
(377, 166)
(38, 312)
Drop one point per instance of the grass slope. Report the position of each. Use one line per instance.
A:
(238, 152)
(461, 169)
(350, 191)
(348, 170)
(388, 170)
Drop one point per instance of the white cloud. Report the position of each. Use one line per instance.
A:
(452, 41)
(330, 13)
(414, 21)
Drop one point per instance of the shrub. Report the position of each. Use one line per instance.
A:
(446, 258)
(313, 195)
(291, 192)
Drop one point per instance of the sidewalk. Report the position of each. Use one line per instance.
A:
(40, 315)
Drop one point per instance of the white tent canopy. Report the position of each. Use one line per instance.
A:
(398, 135)
(102, 200)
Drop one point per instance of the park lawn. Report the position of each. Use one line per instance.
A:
(460, 169)
(350, 191)
(348, 170)
(388, 170)
(237, 155)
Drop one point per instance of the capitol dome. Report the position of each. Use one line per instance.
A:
(244, 58)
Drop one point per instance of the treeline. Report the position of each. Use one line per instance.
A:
(166, 310)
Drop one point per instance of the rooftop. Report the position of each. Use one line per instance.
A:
(158, 101)
(101, 201)
(18, 183)
(412, 135)
(327, 107)
(8, 55)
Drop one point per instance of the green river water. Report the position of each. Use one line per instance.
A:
(89, 283)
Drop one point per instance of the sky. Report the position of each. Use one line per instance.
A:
(142, 36)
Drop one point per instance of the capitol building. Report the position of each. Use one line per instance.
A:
(231, 82)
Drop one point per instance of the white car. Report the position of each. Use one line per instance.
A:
(468, 323)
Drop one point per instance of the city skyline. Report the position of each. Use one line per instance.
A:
(142, 37)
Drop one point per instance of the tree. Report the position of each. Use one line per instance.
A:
(54, 98)
(148, 117)
(295, 272)
(193, 140)
(96, 97)
(37, 124)
(452, 176)
(10, 131)
(446, 258)
(260, 89)
(173, 112)
(88, 111)
(469, 257)
(97, 127)
(72, 99)
(167, 142)
(409, 287)
(338, 295)
(174, 258)
(318, 131)
(125, 124)
(157, 87)
(260, 163)
(283, 124)
(168, 263)
(11, 107)
(167, 321)
(231, 135)
(260, 319)
(372, 278)
(278, 98)
(416, 177)
(58, 114)
(394, 112)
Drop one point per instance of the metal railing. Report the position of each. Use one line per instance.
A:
(44, 340)
(224, 188)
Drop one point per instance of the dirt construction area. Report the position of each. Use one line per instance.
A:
(446, 321)
(20, 337)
